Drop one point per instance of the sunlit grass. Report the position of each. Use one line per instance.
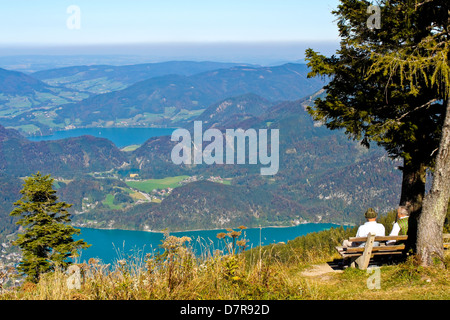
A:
(151, 184)
(109, 201)
(225, 271)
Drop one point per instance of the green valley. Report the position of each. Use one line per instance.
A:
(155, 184)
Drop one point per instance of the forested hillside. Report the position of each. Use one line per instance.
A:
(66, 158)
(322, 175)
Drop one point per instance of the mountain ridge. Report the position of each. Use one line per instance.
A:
(80, 77)
(19, 156)
(194, 92)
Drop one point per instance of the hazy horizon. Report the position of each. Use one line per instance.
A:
(29, 58)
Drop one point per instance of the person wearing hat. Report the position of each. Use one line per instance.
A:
(371, 226)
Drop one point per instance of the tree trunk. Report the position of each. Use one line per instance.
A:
(430, 247)
(412, 194)
(413, 186)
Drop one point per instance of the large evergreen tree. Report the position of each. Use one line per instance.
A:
(373, 104)
(47, 241)
(426, 61)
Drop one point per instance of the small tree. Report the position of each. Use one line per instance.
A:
(47, 241)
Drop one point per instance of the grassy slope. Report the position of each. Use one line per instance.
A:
(274, 273)
(109, 201)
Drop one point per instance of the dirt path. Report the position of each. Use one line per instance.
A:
(319, 270)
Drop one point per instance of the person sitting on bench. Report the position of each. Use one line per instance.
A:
(400, 228)
(371, 226)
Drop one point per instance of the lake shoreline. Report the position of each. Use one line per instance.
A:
(53, 132)
(121, 137)
(220, 229)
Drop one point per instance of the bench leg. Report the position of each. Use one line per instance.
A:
(363, 261)
(348, 262)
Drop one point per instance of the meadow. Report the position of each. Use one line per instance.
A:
(151, 184)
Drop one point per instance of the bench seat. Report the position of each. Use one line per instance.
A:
(362, 255)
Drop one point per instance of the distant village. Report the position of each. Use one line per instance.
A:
(9, 258)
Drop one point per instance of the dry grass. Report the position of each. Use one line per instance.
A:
(177, 274)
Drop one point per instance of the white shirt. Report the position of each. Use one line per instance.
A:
(372, 227)
(394, 232)
(396, 228)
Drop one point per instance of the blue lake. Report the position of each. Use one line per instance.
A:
(112, 245)
(121, 137)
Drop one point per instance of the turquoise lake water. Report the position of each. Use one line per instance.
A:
(121, 137)
(112, 245)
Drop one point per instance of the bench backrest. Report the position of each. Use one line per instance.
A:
(446, 238)
(379, 239)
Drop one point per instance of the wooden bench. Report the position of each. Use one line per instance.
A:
(361, 255)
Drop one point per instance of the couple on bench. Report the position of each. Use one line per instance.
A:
(373, 227)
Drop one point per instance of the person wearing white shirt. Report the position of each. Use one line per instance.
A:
(371, 226)
(401, 226)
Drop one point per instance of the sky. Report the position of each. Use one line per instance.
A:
(142, 21)
(82, 24)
